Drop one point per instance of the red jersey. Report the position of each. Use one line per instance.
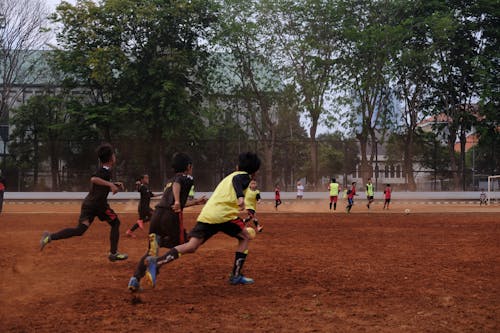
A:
(352, 192)
(387, 192)
(277, 194)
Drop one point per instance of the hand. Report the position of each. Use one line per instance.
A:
(113, 188)
(176, 207)
(241, 203)
(119, 185)
(202, 200)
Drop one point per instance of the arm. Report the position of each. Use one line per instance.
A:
(240, 183)
(194, 202)
(176, 191)
(112, 186)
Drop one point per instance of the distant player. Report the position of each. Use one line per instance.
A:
(220, 214)
(483, 200)
(350, 197)
(95, 205)
(334, 189)
(167, 229)
(145, 211)
(300, 190)
(252, 197)
(277, 197)
(387, 196)
(369, 192)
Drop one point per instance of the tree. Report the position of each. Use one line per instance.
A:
(307, 36)
(22, 37)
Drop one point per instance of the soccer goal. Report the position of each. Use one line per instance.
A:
(493, 189)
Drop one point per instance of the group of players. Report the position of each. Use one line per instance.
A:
(219, 214)
(335, 189)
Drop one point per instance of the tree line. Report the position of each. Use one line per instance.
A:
(215, 77)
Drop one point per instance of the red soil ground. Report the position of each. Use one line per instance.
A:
(315, 271)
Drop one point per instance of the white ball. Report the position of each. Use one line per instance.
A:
(407, 211)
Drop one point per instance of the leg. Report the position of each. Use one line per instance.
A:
(114, 234)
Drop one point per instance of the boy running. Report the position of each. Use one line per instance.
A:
(277, 197)
(334, 189)
(387, 196)
(252, 197)
(145, 211)
(369, 192)
(220, 214)
(167, 229)
(95, 205)
(350, 197)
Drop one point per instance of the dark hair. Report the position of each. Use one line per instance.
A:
(180, 162)
(105, 152)
(248, 162)
(333, 180)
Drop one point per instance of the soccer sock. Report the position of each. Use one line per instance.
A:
(239, 260)
(168, 257)
(140, 271)
(135, 226)
(335, 206)
(69, 232)
(256, 222)
(114, 235)
(330, 206)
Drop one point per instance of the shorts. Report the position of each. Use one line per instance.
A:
(89, 213)
(388, 200)
(146, 214)
(370, 197)
(168, 226)
(350, 201)
(333, 198)
(205, 231)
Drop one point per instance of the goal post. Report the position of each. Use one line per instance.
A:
(493, 189)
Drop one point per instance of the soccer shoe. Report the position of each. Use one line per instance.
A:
(260, 228)
(240, 279)
(133, 284)
(117, 256)
(151, 270)
(140, 223)
(45, 240)
(130, 233)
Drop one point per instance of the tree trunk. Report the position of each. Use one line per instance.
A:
(54, 166)
(408, 162)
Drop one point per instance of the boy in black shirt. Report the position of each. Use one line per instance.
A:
(166, 228)
(96, 204)
(145, 211)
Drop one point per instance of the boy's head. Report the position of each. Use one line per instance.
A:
(388, 185)
(145, 179)
(181, 162)
(248, 162)
(353, 183)
(333, 180)
(253, 184)
(105, 153)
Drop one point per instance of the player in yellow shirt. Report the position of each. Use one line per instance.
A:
(220, 214)
(252, 197)
(334, 189)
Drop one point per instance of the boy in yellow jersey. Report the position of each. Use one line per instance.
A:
(369, 192)
(252, 197)
(220, 214)
(334, 189)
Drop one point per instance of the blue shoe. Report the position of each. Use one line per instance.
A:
(151, 270)
(45, 239)
(133, 284)
(240, 279)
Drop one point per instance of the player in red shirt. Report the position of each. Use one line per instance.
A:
(277, 197)
(387, 195)
(350, 197)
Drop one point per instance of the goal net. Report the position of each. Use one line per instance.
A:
(493, 189)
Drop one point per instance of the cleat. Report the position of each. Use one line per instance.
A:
(130, 233)
(45, 240)
(151, 270)
(240, 279)
(260, 228)
(117, 256)
(140, 223)
(133, 284)
(153, 245)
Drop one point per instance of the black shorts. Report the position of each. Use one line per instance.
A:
(388, 200)
(370, 197)
(205, 231)
(89, 213)
(145, 215)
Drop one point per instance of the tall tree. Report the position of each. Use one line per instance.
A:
(23, 33)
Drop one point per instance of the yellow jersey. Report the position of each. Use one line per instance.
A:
(251, 199)
(223, 204)
(334, 189)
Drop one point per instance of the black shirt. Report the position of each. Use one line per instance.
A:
(98, 194)
(146, 196)
(167, 200)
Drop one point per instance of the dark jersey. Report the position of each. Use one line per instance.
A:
(164, 216)
(98, 194)
(145, 201)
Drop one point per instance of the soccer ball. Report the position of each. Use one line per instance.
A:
(407, 211)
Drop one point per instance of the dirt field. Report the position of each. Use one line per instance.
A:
(434, 270)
